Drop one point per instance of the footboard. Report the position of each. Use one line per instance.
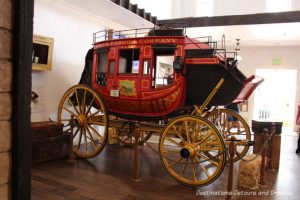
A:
(250, 84)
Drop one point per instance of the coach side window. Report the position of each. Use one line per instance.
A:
(129, 61)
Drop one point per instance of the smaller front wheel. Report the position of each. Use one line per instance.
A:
(183, 146)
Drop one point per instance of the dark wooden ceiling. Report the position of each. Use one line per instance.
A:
(260, 18)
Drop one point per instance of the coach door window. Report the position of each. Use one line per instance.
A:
(162, 74)
(102, 67)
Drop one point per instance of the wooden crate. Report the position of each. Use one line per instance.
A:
(48, 142)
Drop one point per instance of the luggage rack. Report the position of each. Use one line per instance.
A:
(221, 52)
(130, 33)
(134, 33)
(203, 39)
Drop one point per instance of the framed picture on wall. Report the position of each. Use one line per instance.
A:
(42, 52)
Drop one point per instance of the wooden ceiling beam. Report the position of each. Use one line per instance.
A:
(230, 20)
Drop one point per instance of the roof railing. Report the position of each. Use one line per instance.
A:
(130, 33)
(133, 33)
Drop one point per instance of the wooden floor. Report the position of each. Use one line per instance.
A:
(108, 177)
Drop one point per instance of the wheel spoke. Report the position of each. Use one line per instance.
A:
(92, 115)
(74, 135)
(179, 134)
(175, 162)
(79, 141)
(206, 158)
(172, 141)
(78, 103)
(194, 170)
(90, 106)
(69, 100)
(183, 168)
(225, 123)
(83, 102)
(95, 131)
(187, 131)
(69, 111)
(203, 140)
(170, 152)
(195, 133)
(92, 139)
(203, 168)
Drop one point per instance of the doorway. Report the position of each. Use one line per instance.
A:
(275, 99)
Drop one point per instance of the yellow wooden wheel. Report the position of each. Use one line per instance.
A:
(239, 128)
(90, 119)
(182, 145)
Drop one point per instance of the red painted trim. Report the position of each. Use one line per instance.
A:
(201, 61)
(147, 52)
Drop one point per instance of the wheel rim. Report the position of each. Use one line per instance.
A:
(90, 120)
(182, 145)
(219, 117)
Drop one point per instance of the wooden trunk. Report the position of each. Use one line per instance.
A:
(48, 142)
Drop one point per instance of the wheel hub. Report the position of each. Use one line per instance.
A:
(187, 152)
(80, 121)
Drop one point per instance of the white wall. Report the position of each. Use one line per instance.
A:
(261, 57)
(188, 8)
(72, 30)
(238, 7)
(296, 4)
(162, 9)
(176, 9)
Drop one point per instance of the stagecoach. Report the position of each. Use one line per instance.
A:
(159, 81)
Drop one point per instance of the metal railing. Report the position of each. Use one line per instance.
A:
(130, 33)
(134, 33)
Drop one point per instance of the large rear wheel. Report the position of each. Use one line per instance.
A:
(90, 120)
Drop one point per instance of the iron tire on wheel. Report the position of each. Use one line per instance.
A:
(90, 120)
(181, 147)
